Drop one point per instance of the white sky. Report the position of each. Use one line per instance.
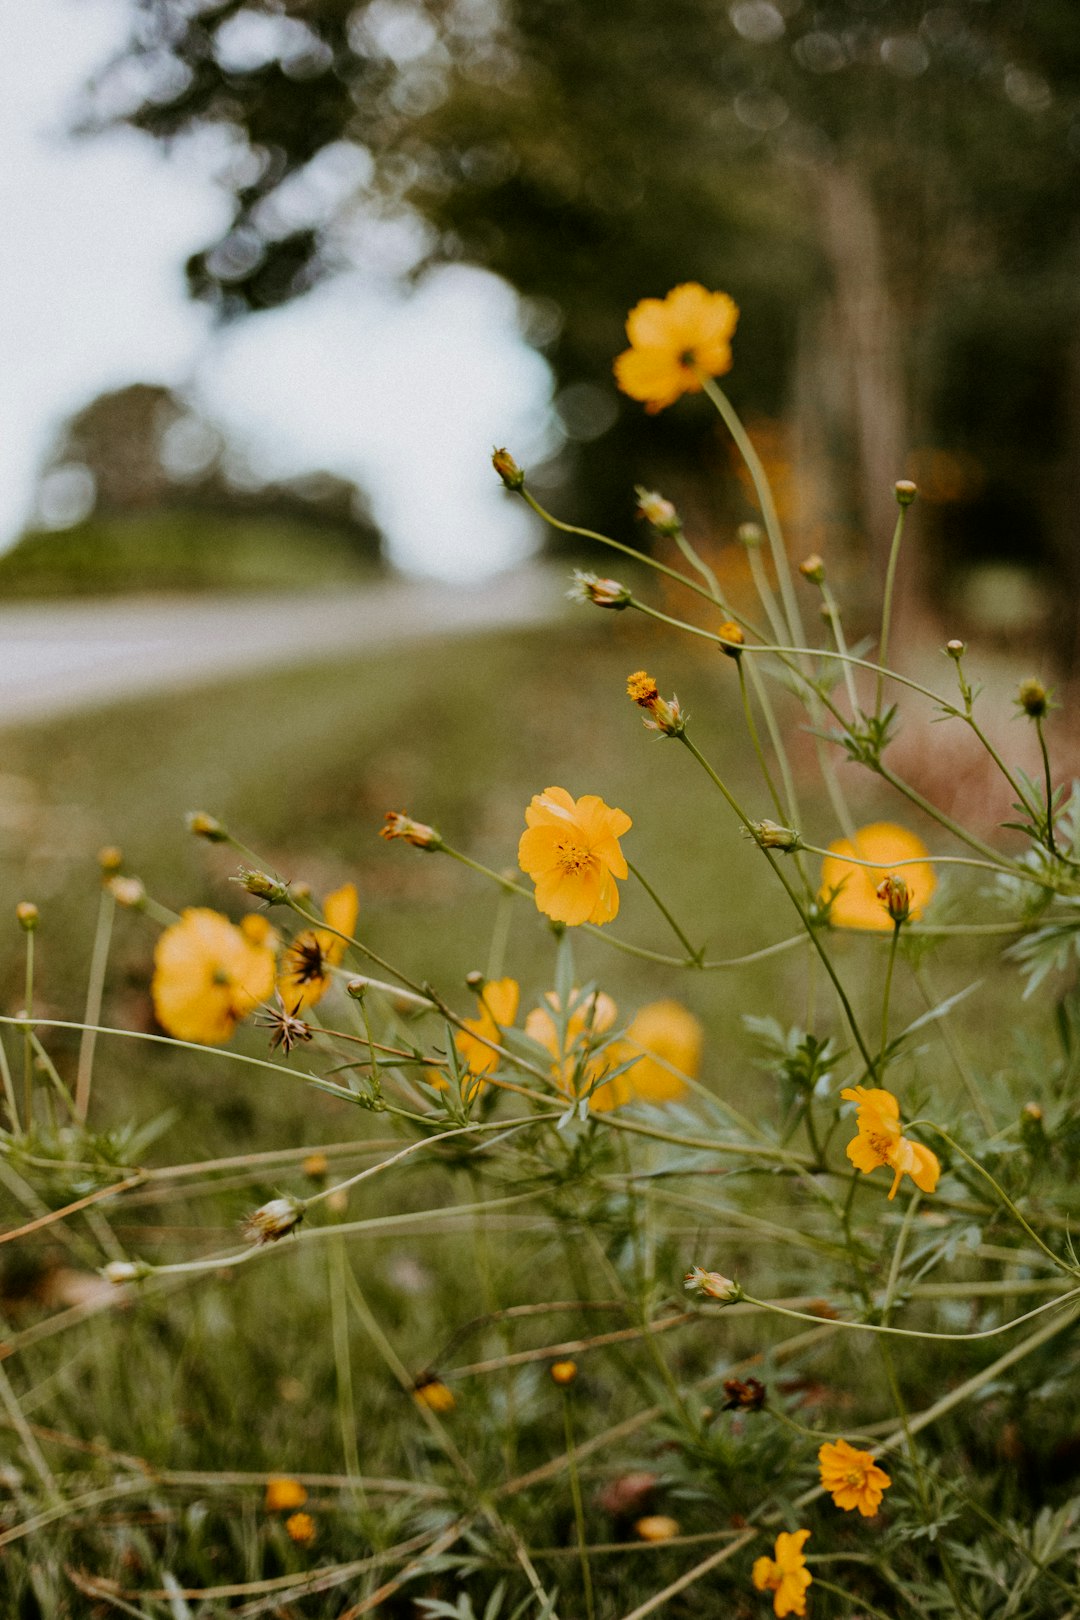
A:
(407, 395)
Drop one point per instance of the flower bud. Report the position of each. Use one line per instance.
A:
(731, 638)
(750, 535)
(770, 835)
(656, 1527)
(712, 1285)
(563, 1372)
(906, 491)
(110, 859)
(129, 892)
(813, 569)
(605, 593)
(895, 896)
(508, 469)
(475, 980)
(208, 827)
(654, 509)
(315, 1166)
(119, 1272)
(955, 649)
(1033, 698)
(398, 825)
(274, 1220)
(642, 688)
(28, 915)
(430, 1391)
(263, 886)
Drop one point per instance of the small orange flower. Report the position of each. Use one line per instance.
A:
(785, 1574)
(570, 849)
(306, 969)
(852, 1478)
(434, 1394)
(283, 1492)
(674, 342)
(498, 1008)
(208, 975)
(300, 1527)
(855, 902)
(880, 1142)
(577, 1068)
(563, 1372)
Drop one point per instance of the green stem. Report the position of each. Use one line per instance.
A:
(95, 990)
(885, 999)
(616, 545)
(579, 1509)
(755, 740)
(1051, 846)
(886, 604)
(948, 1035)
(836, 624)
(9, 1091)
(28, 1034)
(695, 955)
(339, 1324)
(916, 1333)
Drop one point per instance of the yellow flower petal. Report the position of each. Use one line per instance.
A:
(856, 904)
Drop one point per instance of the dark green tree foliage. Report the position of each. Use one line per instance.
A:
(888, 189)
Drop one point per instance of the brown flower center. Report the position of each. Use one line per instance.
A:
(879, 1144)
(572, 858)
(307, 960)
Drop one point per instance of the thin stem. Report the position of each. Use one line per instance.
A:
(920, 1333)
(695, 955)
(956, 1052)
(28, 1033)
(886, 603)
(337, 1269)
(9, 1091)
(616, 545)
(579, 1509)
(95, 990)
(748, 715)
(836, 625)
(885, 999)
(1051, 846)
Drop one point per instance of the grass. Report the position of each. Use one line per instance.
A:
(273, 1365)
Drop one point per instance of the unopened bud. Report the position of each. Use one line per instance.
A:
(475, 980)
(431, 1392)
(507, 469)
(263, 886)
(750, 535)
(563, 1372)
(208, 827)
(1033, 698)
(28, 915)
(895, 896)
(906, 491)
(770, 835)
(110, 859)
(605, 593)
(1033, 1131)
(129, 892)
(398, 825)
(119, 1272)
(656, 1527)
(813, 569)
(712, 1285)
(274, 1220)
(732, 640)
(661, 513)
(955, 649)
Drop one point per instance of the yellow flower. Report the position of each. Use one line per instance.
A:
(498, 1008)
(570, 849)
(785, 1574)
(208, 975)
(669, 1038)
(575, 1070)
(434, 1394)
(879, 1141)
(283, 1492)
(306, 976)
(674, 342)
(656, 1527)
(300, 1527)
(856, 903)
(852, 1478)
(563, 1372)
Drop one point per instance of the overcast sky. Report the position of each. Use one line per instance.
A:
(407, 395)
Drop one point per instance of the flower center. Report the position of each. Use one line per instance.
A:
(306, 960)
(688, 358)
(853, 1477)
(572, 858)
(880, 1144)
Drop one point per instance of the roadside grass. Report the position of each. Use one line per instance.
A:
(269, 1366)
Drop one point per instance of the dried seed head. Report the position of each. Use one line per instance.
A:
(605, 593)
(274, 1220)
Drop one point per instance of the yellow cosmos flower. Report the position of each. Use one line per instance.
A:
(852, 1478)
(208, 975)
(785, 1574)
(669, 1038)
(283, 1493)
(880, 1142)
(498, 1008)
(575, 1069)
(674, 342)
(300, 1527)
(306, 969)
(856, 903)
(570, 849)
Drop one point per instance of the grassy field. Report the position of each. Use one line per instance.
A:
(275, 1367)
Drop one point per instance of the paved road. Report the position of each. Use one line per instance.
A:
(56, 658)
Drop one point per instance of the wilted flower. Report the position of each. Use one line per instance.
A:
(674, 343)
(656, 510)
(274, 1220)
(208, 975)
(852, 1478)
(744, 1395)
(880, 1142)
(852, 889)
(785, 1574)
(287, 1029)
(571, 850)
(308, 962)
(712, 1285)
(399, 825)
(605, 593)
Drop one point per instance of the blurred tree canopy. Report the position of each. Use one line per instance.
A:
(888, 189)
